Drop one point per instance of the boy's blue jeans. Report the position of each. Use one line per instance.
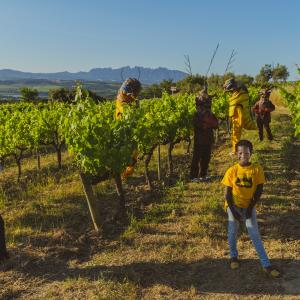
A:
(252, 228)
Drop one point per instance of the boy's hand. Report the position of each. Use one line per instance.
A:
(236, 215)
(249, 213)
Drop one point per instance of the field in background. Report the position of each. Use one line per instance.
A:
(11, 88)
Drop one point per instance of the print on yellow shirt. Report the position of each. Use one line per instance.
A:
(244, 182)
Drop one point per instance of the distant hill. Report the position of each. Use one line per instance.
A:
(146, 75)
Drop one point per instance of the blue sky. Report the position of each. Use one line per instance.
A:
(74, 35)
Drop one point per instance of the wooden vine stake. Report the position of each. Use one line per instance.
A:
(92, 201)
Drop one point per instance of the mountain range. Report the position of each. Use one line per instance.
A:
(145, 75)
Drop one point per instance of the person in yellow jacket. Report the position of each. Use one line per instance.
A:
(239, 110)
(127, 95)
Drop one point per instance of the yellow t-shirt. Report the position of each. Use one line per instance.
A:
(243, 181)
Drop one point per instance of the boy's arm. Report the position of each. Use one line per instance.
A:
(229, 199)
(255, 199)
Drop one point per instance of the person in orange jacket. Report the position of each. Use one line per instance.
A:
(127, 95)
(262, 110)
(239, 110)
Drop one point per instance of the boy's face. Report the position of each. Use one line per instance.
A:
(243, 154)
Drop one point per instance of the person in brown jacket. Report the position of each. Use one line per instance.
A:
(262, 109)
(204, 121)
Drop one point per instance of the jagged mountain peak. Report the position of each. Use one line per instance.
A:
(146, 75)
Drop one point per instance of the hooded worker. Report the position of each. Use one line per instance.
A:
(239, 110)
(128, 94)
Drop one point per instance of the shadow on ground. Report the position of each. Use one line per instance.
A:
(207, 275)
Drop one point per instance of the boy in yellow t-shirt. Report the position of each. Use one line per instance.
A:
(244, 185)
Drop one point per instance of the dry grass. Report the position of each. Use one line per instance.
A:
(173, 245)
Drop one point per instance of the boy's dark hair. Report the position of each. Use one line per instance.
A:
(244, 143)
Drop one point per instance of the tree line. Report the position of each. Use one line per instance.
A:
(193, 83)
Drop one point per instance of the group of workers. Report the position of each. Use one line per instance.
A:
(244, 180)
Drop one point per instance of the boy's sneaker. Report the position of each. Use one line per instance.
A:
(234, 263)
(272, 272)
